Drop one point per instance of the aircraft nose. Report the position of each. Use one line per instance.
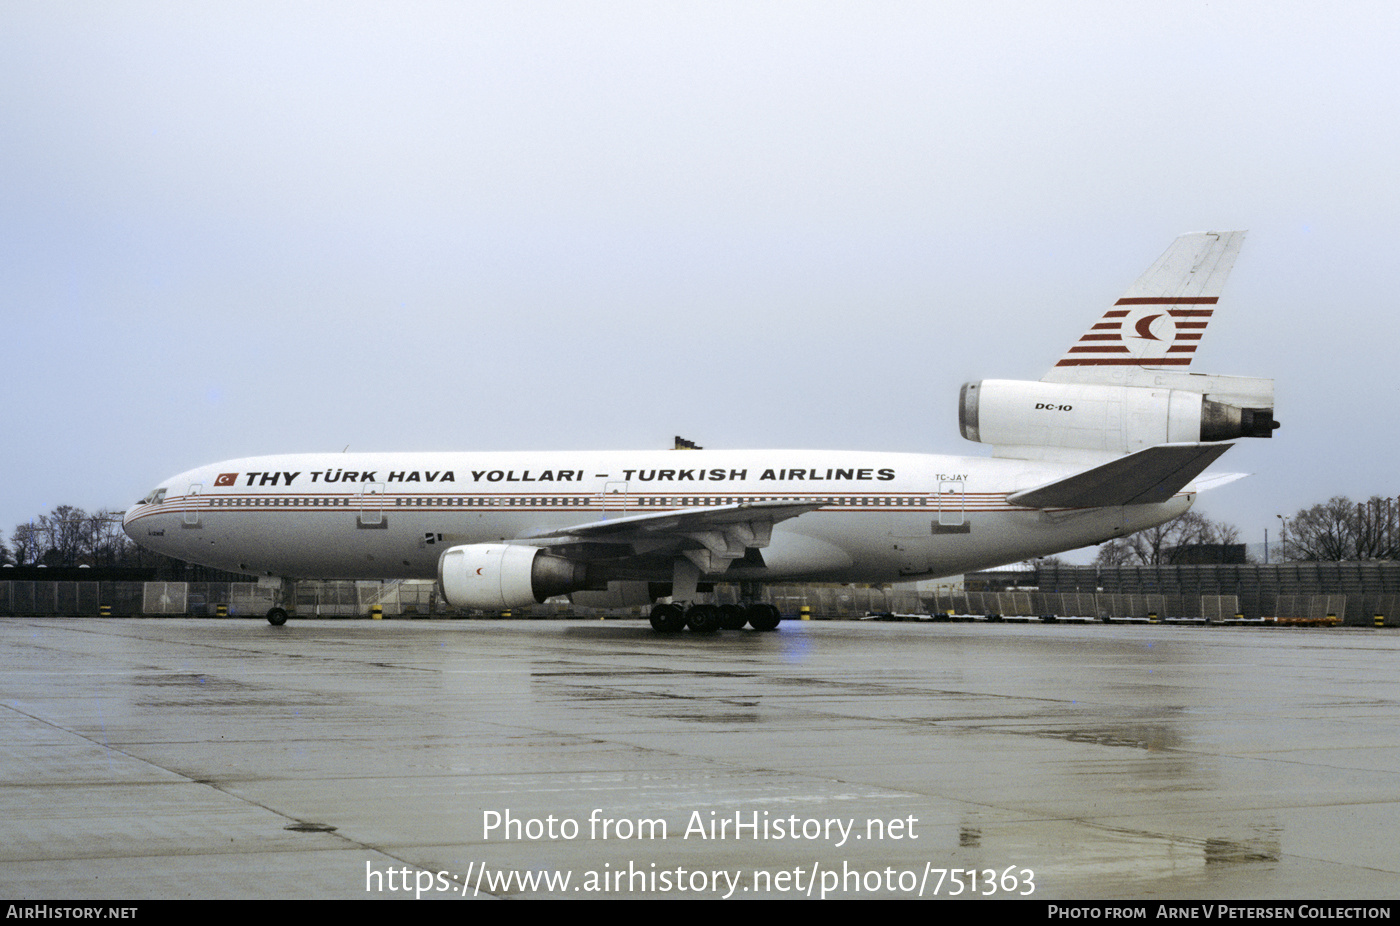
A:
(129, 519)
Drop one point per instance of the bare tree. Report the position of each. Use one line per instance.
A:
(69, 536)
(1341, 530)
(1153, 547)
(1116, 552)
(104, 542)
(29, 544)
(64, 528)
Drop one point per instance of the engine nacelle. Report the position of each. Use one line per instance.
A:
(1117, 419)
(503, 575)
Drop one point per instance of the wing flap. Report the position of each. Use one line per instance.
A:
(1147, 477)
(689, 519)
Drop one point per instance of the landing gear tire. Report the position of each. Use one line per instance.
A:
(277, 617)
(732, 617)
(764, 616)
(703, 618)
(667, 618)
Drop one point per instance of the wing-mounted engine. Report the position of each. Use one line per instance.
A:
(1151, 407)
(503, 575)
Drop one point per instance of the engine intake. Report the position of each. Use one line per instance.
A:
(503, 575)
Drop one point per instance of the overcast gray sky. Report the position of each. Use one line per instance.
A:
(240, 228)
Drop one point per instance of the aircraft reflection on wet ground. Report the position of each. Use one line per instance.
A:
(173, 758)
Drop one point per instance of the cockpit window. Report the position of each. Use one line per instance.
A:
(155, 498)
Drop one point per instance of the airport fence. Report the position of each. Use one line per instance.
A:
(1354, 609)
(394, 599)
(210, 599)
(1355, 593)
(416, 599)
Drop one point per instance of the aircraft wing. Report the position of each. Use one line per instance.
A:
(1143, 478)
(712, 537)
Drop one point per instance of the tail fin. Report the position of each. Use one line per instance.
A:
(1125, 386)
(1159, 321)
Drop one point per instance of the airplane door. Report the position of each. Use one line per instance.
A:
(192, 504)
(615, 497)
(371, 503)
(952, 507)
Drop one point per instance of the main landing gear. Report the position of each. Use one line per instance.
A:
(708, 618)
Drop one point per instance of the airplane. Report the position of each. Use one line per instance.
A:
(1112, 440)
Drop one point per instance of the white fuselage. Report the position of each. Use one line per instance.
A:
(885, 516)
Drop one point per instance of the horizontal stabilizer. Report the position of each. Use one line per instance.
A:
(1144, 478)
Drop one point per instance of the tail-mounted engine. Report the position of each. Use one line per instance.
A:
(501, 575)
(1171, 408)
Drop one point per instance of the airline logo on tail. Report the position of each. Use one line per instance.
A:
(1160, 319)
(1144, 332)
